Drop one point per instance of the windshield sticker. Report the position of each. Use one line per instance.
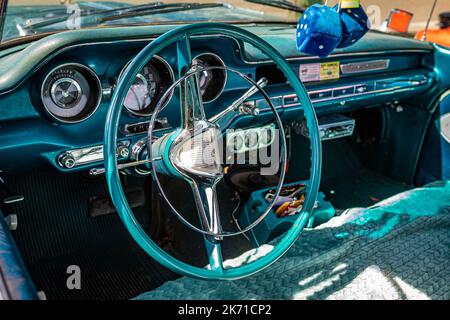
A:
(350, 4)
(329, 70)
(310, 72)
(319, 71)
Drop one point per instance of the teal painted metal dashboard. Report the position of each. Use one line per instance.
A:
(380, 69)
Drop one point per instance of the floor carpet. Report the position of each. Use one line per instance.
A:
(56, 231)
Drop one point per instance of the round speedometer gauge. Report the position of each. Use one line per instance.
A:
(143, 90)
(148, 87)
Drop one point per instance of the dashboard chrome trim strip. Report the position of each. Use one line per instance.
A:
(354, 94)
(365, 66)
(89, 155)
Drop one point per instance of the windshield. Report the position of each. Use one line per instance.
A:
(24, 18)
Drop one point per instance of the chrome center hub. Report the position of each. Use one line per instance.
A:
(197, 152)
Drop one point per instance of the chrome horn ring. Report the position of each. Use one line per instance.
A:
(213, 225)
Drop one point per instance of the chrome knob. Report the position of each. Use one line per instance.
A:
(67, 161)
(322, 133)
(123, 151)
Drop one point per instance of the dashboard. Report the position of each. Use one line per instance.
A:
(55, 94)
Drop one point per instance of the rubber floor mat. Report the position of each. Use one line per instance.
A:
(55, 232)
(361, 188)
(397, 250)
(347, 183)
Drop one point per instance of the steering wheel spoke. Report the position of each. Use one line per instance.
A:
(191, 102)
(205, 197)
(190, 94)
(214, 252)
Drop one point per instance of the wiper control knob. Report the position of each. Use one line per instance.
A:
(67, 160)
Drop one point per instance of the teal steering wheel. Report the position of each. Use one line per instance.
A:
(203, 183)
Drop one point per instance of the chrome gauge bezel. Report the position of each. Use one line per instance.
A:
(87, 111)
(172, 80)
(219, 63)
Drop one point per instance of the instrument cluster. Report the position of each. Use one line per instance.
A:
(72, 92)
